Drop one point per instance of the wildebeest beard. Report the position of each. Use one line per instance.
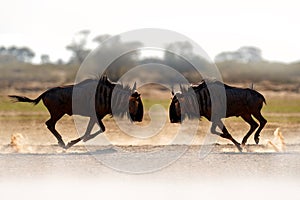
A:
(126, 102)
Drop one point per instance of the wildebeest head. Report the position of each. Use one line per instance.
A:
(136, 108)
(175, 109)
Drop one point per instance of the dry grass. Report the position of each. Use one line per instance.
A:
(282, 110)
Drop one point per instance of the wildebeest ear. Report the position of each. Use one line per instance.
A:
(134, 87)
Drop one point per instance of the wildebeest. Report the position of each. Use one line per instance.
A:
(91, 98)
(239, 102)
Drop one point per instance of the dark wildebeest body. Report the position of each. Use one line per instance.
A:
(239, 102)
(91, 98)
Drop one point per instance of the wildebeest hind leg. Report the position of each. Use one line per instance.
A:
(51, 126)
(262, 123)
(253, 126)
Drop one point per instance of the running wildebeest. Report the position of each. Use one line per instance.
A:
(91, 98)
(240, 102)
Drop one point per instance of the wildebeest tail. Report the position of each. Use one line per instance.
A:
(26, 99)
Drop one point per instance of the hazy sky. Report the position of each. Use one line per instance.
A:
(48, 26)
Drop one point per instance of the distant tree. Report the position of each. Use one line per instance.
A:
(183, 48)
(78, 46)
(3, 50)
(12, 51)
(25, 54)
(45, 59)
(100, 38)
(244, 54)
(250, 54)
(5, 57)
(59, 62)
(181, 56)
(115, 46)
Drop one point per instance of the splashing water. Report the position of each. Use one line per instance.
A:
(278, 143)
(18, 144)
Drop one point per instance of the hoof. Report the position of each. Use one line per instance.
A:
(62, 144)
(240, 148)
(244, 142)
(67, 146)
(256, 140)
(70, 144)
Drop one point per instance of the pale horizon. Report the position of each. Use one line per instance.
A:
(48, 27)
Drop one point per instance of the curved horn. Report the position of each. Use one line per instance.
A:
(172, 90)
(181, 88)
(134, 87)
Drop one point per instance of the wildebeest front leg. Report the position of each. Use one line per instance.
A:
(87, 133)
(225, 133)
(91, 136)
